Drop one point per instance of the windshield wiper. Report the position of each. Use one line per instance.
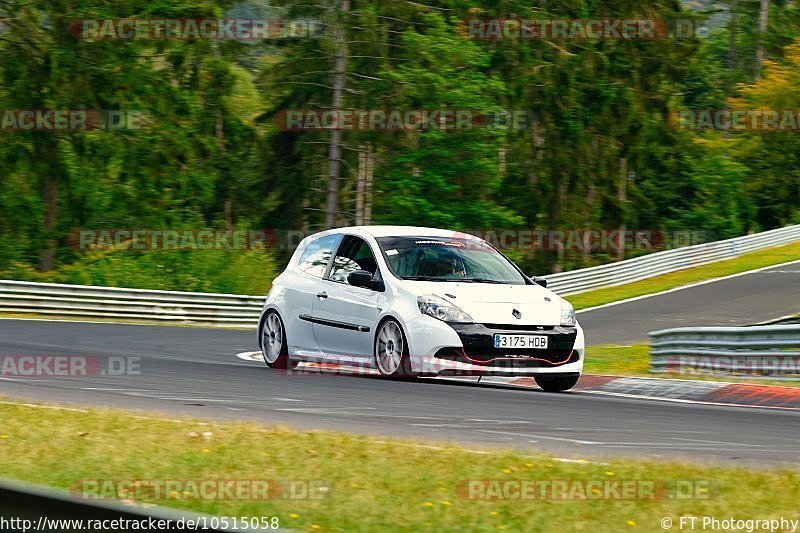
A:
(424, 278)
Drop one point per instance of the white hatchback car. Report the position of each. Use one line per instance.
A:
(412, 301)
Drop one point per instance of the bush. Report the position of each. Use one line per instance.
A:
(223, 271)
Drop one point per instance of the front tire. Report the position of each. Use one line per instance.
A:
(391, 351)
(555, 383)
(273, 342)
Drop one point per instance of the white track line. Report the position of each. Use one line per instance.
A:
(253, 357)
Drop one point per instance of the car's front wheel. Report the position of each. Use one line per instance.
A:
(273, 342)
(556, 383)
(391, 350)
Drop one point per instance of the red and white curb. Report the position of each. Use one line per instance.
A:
(684, 391)
(674, 390)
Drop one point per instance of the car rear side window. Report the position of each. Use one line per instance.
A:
(317, 254)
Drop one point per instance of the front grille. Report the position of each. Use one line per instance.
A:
(478, 342)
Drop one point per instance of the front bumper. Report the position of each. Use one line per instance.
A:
(468, 350)
(478, 348)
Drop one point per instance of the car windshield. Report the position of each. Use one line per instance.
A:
(444, 259)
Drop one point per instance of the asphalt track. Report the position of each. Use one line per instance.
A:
(195, 372)
(735, 301)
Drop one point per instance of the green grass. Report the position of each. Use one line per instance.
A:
(616, 360)
(371, 484)
(634, 360)
(743, 263)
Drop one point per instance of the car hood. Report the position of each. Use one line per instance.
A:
(495, 304)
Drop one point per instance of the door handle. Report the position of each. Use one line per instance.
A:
(322, 295)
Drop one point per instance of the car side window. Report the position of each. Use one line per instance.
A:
(354, 254)
(315, 257)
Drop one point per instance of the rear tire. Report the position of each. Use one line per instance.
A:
(391, 351)
(555, 383)
(273, 342)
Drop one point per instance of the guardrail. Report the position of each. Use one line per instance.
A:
(646, 266)
(71, 301)
(238, 310)
(750, 350)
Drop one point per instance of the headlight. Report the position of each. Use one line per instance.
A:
(567, 314)
(438, 307)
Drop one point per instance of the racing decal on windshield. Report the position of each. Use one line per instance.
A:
(457, 244)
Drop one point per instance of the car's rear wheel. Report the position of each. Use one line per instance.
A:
(556, 383)
(273, 342)
(391, 350)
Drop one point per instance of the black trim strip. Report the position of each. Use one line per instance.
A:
(335, 323)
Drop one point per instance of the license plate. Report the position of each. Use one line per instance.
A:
(520, 341)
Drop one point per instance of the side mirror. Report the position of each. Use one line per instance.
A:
(539, 281)
(362, 278)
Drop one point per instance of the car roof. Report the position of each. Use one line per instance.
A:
(405, 231)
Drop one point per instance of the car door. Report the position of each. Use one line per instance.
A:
(345, 316)
(300, 292)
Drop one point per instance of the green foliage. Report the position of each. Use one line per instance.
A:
(447, 178)
(238, 272)
(720, 207)
(209, 156)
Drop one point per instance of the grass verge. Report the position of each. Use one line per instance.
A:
(402, 485)
(743, 263)
(634, 360)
